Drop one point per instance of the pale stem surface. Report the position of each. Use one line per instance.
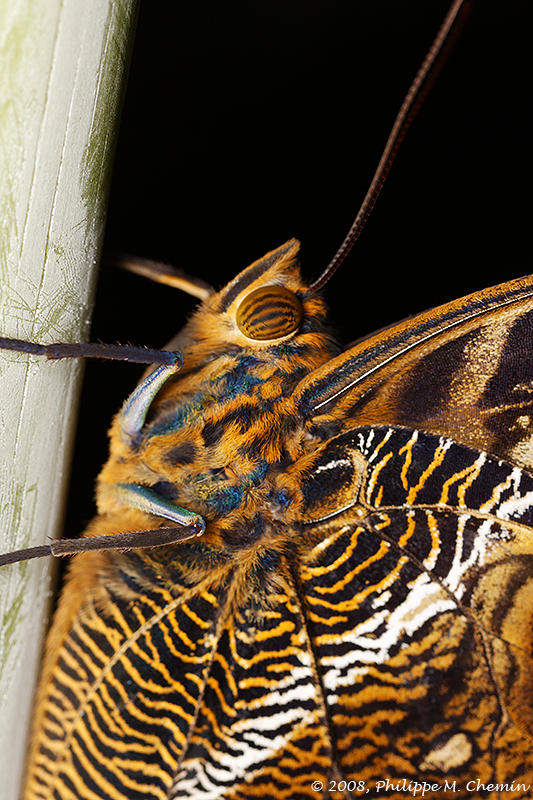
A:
(62, 65)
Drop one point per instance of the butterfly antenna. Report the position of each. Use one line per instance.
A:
(414, 98)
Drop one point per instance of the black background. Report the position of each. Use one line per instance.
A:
(247, 123)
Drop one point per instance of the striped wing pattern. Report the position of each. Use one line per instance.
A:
(360, 606)
(377, 657)
(180, 697)
(261, 728)
(421, 613)
(125, 688)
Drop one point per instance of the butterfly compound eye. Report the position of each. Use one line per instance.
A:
(270, 312)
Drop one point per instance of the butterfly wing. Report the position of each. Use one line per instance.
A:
(417, 548)
(261, 728)
(462, 370)
(393, 641)
(161, 685)
(127, 659)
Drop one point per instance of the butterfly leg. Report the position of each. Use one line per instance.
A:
(137, 496)
(101, 351)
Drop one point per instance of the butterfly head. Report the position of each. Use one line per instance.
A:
(264, 302)
(220, 429)
(265, 305)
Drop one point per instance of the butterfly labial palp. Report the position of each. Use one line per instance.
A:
(357, 304)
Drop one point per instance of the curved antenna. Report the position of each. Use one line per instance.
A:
(414, 98)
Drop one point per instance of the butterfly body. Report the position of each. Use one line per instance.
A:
(217, 441)
(358, 607)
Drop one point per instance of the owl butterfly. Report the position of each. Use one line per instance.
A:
(344, 607)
